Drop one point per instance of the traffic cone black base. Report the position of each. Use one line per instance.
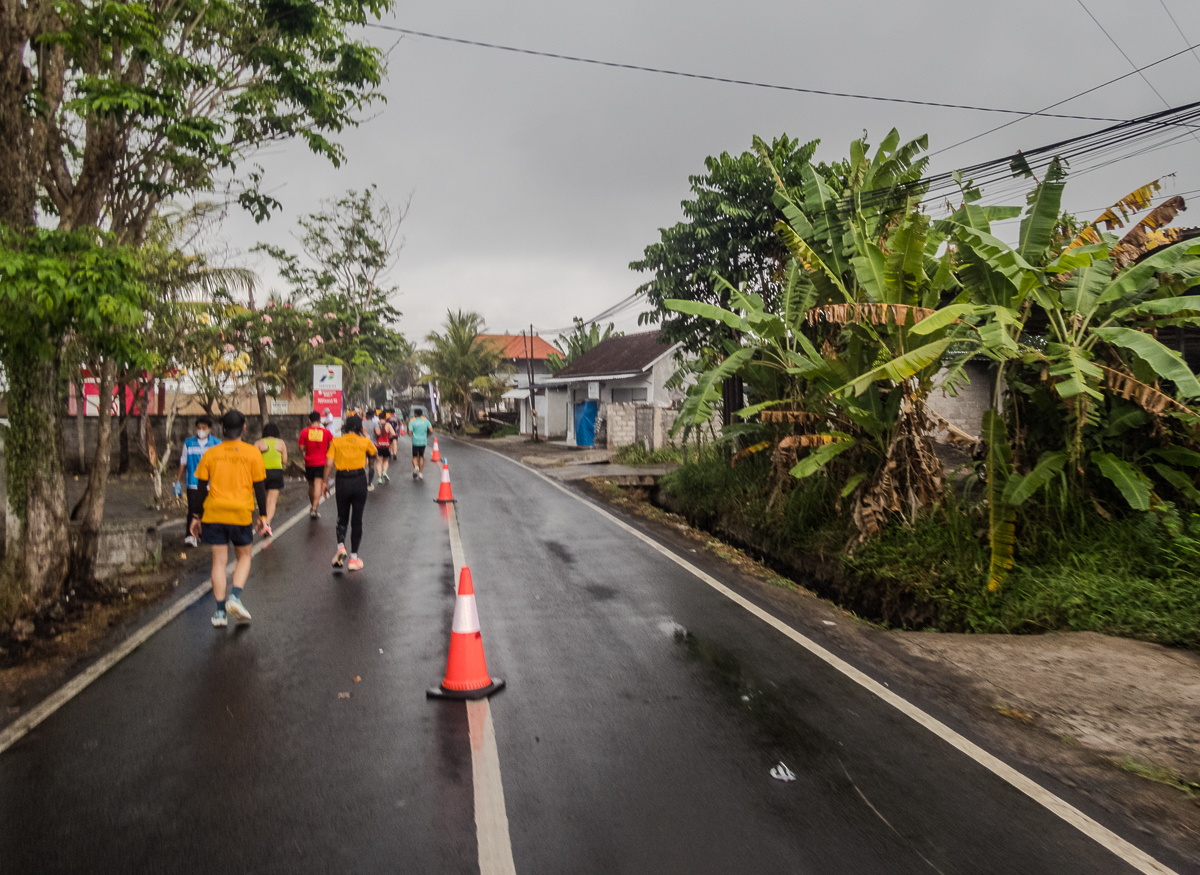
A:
(440, 692)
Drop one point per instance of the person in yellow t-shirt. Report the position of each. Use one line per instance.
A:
(231, 478)
(348, 456)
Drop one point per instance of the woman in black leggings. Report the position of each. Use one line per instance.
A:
(348, 455)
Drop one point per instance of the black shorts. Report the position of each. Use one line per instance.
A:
(225, 533)
(274, 478)
(418, 452)
(314, 472)
(384, 452)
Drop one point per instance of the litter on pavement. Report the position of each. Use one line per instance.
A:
(782, 773)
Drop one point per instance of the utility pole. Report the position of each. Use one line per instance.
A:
(529, 370)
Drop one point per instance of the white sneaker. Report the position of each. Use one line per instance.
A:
(420, 475)
(235, 609)
(190, 541)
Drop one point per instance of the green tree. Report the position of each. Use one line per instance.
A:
(580, 340)
(457, 359)
(728, 231)
(108, 110)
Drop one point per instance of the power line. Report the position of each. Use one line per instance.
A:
(1192, 49)
(728, 81)
(1134, 72)
(619, 307)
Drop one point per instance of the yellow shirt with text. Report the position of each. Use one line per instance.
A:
(349, 452)
(231, 469)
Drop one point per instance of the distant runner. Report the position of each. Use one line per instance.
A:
(348, 454)
(193, 449)
(314, 444)
(231, 479)
(371, 426)
(419, 427)
(274, 453)
(385, 436)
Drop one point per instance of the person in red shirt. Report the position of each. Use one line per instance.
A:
(314, 445)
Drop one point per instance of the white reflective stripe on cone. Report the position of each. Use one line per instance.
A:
(466, 616)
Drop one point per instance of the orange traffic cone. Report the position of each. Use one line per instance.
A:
(403, 433)
(435, 456)
(445, 494)
(466, 669)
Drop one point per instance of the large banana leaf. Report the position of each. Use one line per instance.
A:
(708, 311)
(1081, 292)
(702, 398)
(1068, 360)
(1167, 363)
(1179, 480)
(906, 258)
(999, 255)
(1038, 225)
(1132, 279)
(943, 317)
(820, 457)
(900, 368)
(820, 272)
(870, 269)
(1020, 487)
(1129, 480)
(1178, 456)
(828, 228)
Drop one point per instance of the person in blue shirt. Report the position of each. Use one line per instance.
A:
(419, 427)
(189, 459)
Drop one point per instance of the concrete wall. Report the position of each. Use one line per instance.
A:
(184, 427)
(965, 410)
(622, 425)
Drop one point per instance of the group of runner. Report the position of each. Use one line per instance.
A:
(227, 478)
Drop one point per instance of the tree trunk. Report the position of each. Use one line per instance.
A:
(80, 423)
(90, 510)
(36, 568)
(263, 405)
(123, 409)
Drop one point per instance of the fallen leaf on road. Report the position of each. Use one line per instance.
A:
(343, 695)
(829, 622)
(183, 555)
(357, 678)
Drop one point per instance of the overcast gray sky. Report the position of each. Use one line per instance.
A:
(535, 182)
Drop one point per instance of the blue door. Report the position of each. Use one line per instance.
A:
(585, 423)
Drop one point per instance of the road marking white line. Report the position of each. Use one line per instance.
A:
(16, 730)
(1130, 853)
(491, 817)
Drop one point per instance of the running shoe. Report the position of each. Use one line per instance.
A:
(266, 530)
(190, 541)
(380, 480)
(314, 515)
(354, 565)
(339, 558)
(370, 486)
(235, 609)
(414, 475)
(420, 475)
(220, 619)
(387, 478)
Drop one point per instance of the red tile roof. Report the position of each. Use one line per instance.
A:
(514, 346)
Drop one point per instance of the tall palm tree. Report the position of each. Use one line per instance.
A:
(457, 358)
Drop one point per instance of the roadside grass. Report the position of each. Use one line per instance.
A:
(1131, 575)
(636, 454)
(1161, 775)
(507, 430)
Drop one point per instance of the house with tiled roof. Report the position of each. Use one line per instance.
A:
(522, 354)
(617, 391)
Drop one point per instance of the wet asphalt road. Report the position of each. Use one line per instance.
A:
(642, 715)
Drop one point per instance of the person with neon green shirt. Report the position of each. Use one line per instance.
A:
(275, 458)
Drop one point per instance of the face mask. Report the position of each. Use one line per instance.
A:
(202, 434)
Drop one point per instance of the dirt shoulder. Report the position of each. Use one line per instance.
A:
(1113, 724)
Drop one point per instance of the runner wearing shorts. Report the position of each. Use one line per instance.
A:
(231, 479)
(348, 456)
(419, 427)
(189, 460)
(384, 436)
(314, 444)
(274, 453)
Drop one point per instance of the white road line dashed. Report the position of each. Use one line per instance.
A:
(1130, 853)
(491, 817)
